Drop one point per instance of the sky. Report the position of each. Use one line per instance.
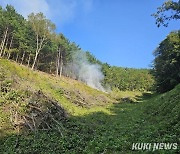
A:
(120, 32)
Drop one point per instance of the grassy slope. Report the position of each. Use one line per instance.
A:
(70, 93)
(75, 97)
(106, 127)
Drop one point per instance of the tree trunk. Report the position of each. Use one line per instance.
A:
(35, 59)
(22, 57)
(38, 49)
(29, 59)
(50, 68)
(3, 42)
(5, 47)
(11, 42)
(58, 61)
(17, 56)
(9, 55)
(61, 66)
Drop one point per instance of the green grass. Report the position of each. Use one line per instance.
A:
(54, 87)
(101, 128)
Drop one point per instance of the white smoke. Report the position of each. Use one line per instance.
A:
(81, 69)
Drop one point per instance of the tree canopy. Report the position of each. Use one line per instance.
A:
(170, 10)
(167, 62)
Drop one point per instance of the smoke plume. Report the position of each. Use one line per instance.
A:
(81, 69)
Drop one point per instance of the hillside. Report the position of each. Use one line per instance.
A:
(19, 84)
(41, 113)
(53, 53)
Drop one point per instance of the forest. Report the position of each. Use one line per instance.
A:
(56, 97)
(34, 42)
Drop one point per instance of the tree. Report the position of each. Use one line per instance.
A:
(43, 29)
(170, 10)
(167, 63)
(4, 28)
(13, 32)
(59, 60)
